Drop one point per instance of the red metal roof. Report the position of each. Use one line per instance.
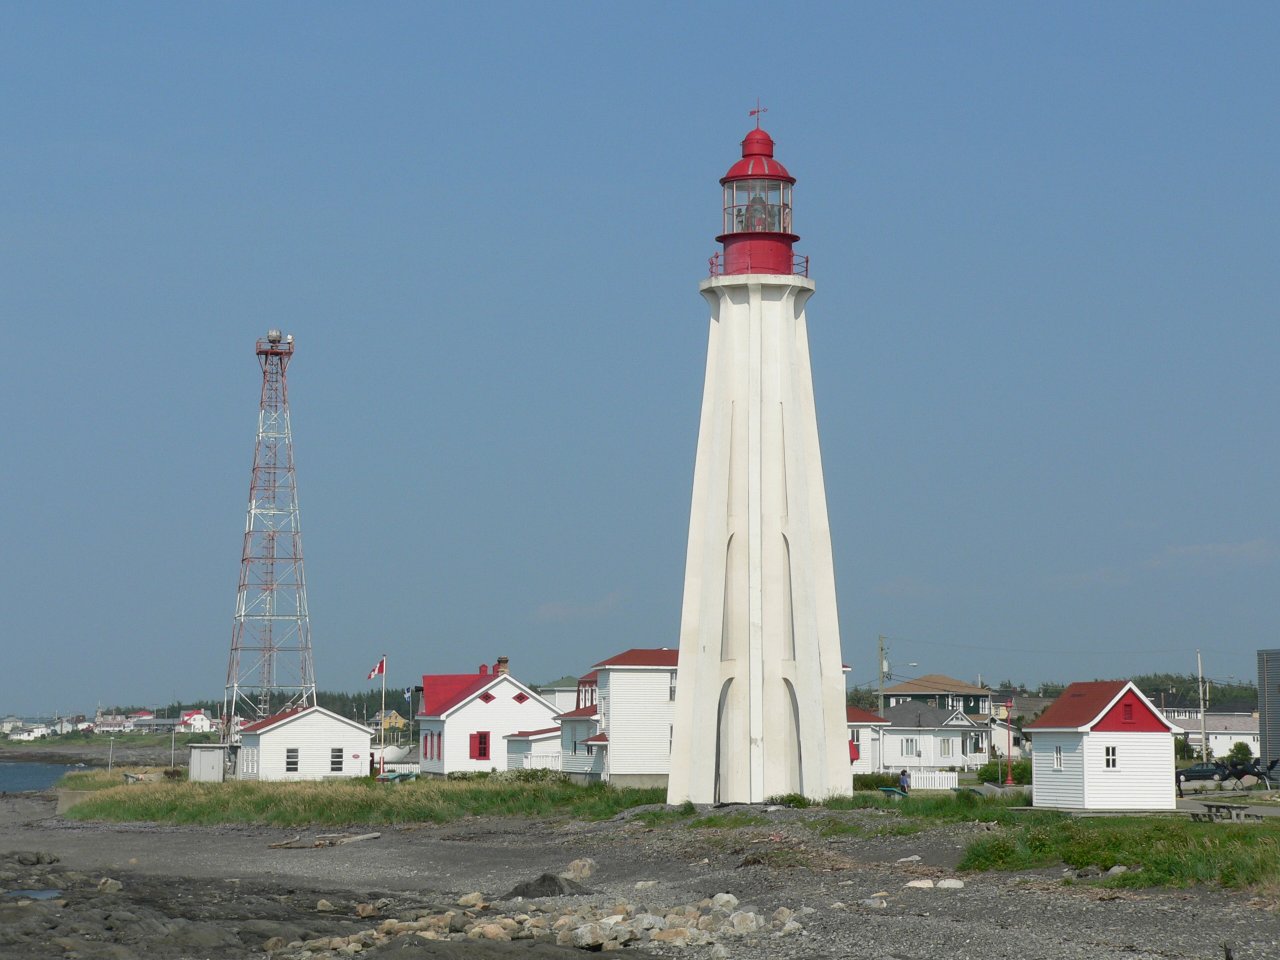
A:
(442, 692)
(858, 715)
(589, 710)
(639, 657)
(1078, 705)
(598, 738)
(532, 733)
(591, 677)
(273, 719)
(757, 160)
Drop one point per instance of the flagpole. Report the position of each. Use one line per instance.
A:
(382, 727)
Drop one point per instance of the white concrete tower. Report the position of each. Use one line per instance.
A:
(760, 700)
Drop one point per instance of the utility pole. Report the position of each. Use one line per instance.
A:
(1204, 739)
(881, 670)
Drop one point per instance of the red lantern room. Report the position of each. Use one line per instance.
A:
(757, 233)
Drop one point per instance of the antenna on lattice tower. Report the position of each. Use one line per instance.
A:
(270, 667)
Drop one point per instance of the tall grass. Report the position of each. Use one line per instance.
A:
(1170, 852)
(353, 802)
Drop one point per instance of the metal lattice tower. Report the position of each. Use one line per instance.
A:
(271, 666)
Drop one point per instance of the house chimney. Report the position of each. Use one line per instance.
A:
(484, 669)
(501, 666)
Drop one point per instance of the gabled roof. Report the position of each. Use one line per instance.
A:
(925, 716)
(444, 692)
(288, 716)
(858, 715)
(580, 713)
(532, 734)
(591, 677)
(641, 657)
(598, 738)
(937, 683)
(1085, 703)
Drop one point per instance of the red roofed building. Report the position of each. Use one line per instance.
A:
(1102, 745)
(466, 717)
(305, 743)
(620, 730)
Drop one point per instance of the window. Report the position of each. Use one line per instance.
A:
(671, 695)
(480, 745)
(335, 759)
(486, 697)
(1109, 754)
(1057, 758)
(291, 760)
(855, 735)
(946, 747)
(909, 748)
(520, 697)
(1127, 711)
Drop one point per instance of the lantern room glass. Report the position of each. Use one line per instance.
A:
(757, 206)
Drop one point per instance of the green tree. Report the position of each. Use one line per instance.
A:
(1240, 751)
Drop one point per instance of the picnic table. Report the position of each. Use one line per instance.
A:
(892, 792)
(1229, 812)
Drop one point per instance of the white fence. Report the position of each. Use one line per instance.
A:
(541, 761)
(934, 779)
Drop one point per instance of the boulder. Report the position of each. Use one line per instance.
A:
(580, 869)
(547, 885)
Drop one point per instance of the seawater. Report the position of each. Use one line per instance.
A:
(18, 777)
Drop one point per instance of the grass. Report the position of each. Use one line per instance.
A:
(1170, 851)
(350, 802)
(668, 815)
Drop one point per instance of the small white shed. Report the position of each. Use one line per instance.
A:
(1102, 745)
(307, 743)
(207, 763)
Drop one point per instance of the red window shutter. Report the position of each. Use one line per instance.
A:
(853, 751)
(475, 746)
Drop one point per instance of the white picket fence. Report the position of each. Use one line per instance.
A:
(934, 779)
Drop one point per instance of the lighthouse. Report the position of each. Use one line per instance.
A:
(760, 700)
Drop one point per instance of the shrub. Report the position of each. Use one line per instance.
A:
(995, 771)
(790, 800)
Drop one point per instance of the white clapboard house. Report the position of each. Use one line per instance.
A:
(620, 728)
(1102, 745)
(466, 717)
(306, 743)
(865, 736)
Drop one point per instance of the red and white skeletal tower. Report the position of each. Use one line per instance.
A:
(271, 666)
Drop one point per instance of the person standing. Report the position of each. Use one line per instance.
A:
(904, 782)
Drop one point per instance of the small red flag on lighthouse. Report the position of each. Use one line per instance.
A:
(381, 668)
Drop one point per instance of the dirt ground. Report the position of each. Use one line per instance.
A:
(225, 892)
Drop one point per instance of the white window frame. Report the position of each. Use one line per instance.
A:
(1057, 758)
(292, 760)
(1110, 758)
(946, 747)
(910, 747)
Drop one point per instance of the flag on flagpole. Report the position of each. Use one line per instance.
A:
(380, 669)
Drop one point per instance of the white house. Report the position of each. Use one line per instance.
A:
(1007, 740)
(1223, 731)
(582, 755)
(195, 721)
(920, 736)
(561, 694)
(305, 743)
(1102, 745)
(636, 699)
(465, 718)
(534, 749)
(865, 731)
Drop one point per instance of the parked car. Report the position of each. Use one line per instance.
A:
(1205, 770)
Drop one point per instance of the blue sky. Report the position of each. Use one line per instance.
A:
(1044, 332)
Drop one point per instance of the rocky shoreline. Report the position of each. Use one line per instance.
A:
(778, 890)
(93, 753)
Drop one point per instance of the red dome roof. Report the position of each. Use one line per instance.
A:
(757, 160)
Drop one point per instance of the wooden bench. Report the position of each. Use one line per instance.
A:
(892, 792)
